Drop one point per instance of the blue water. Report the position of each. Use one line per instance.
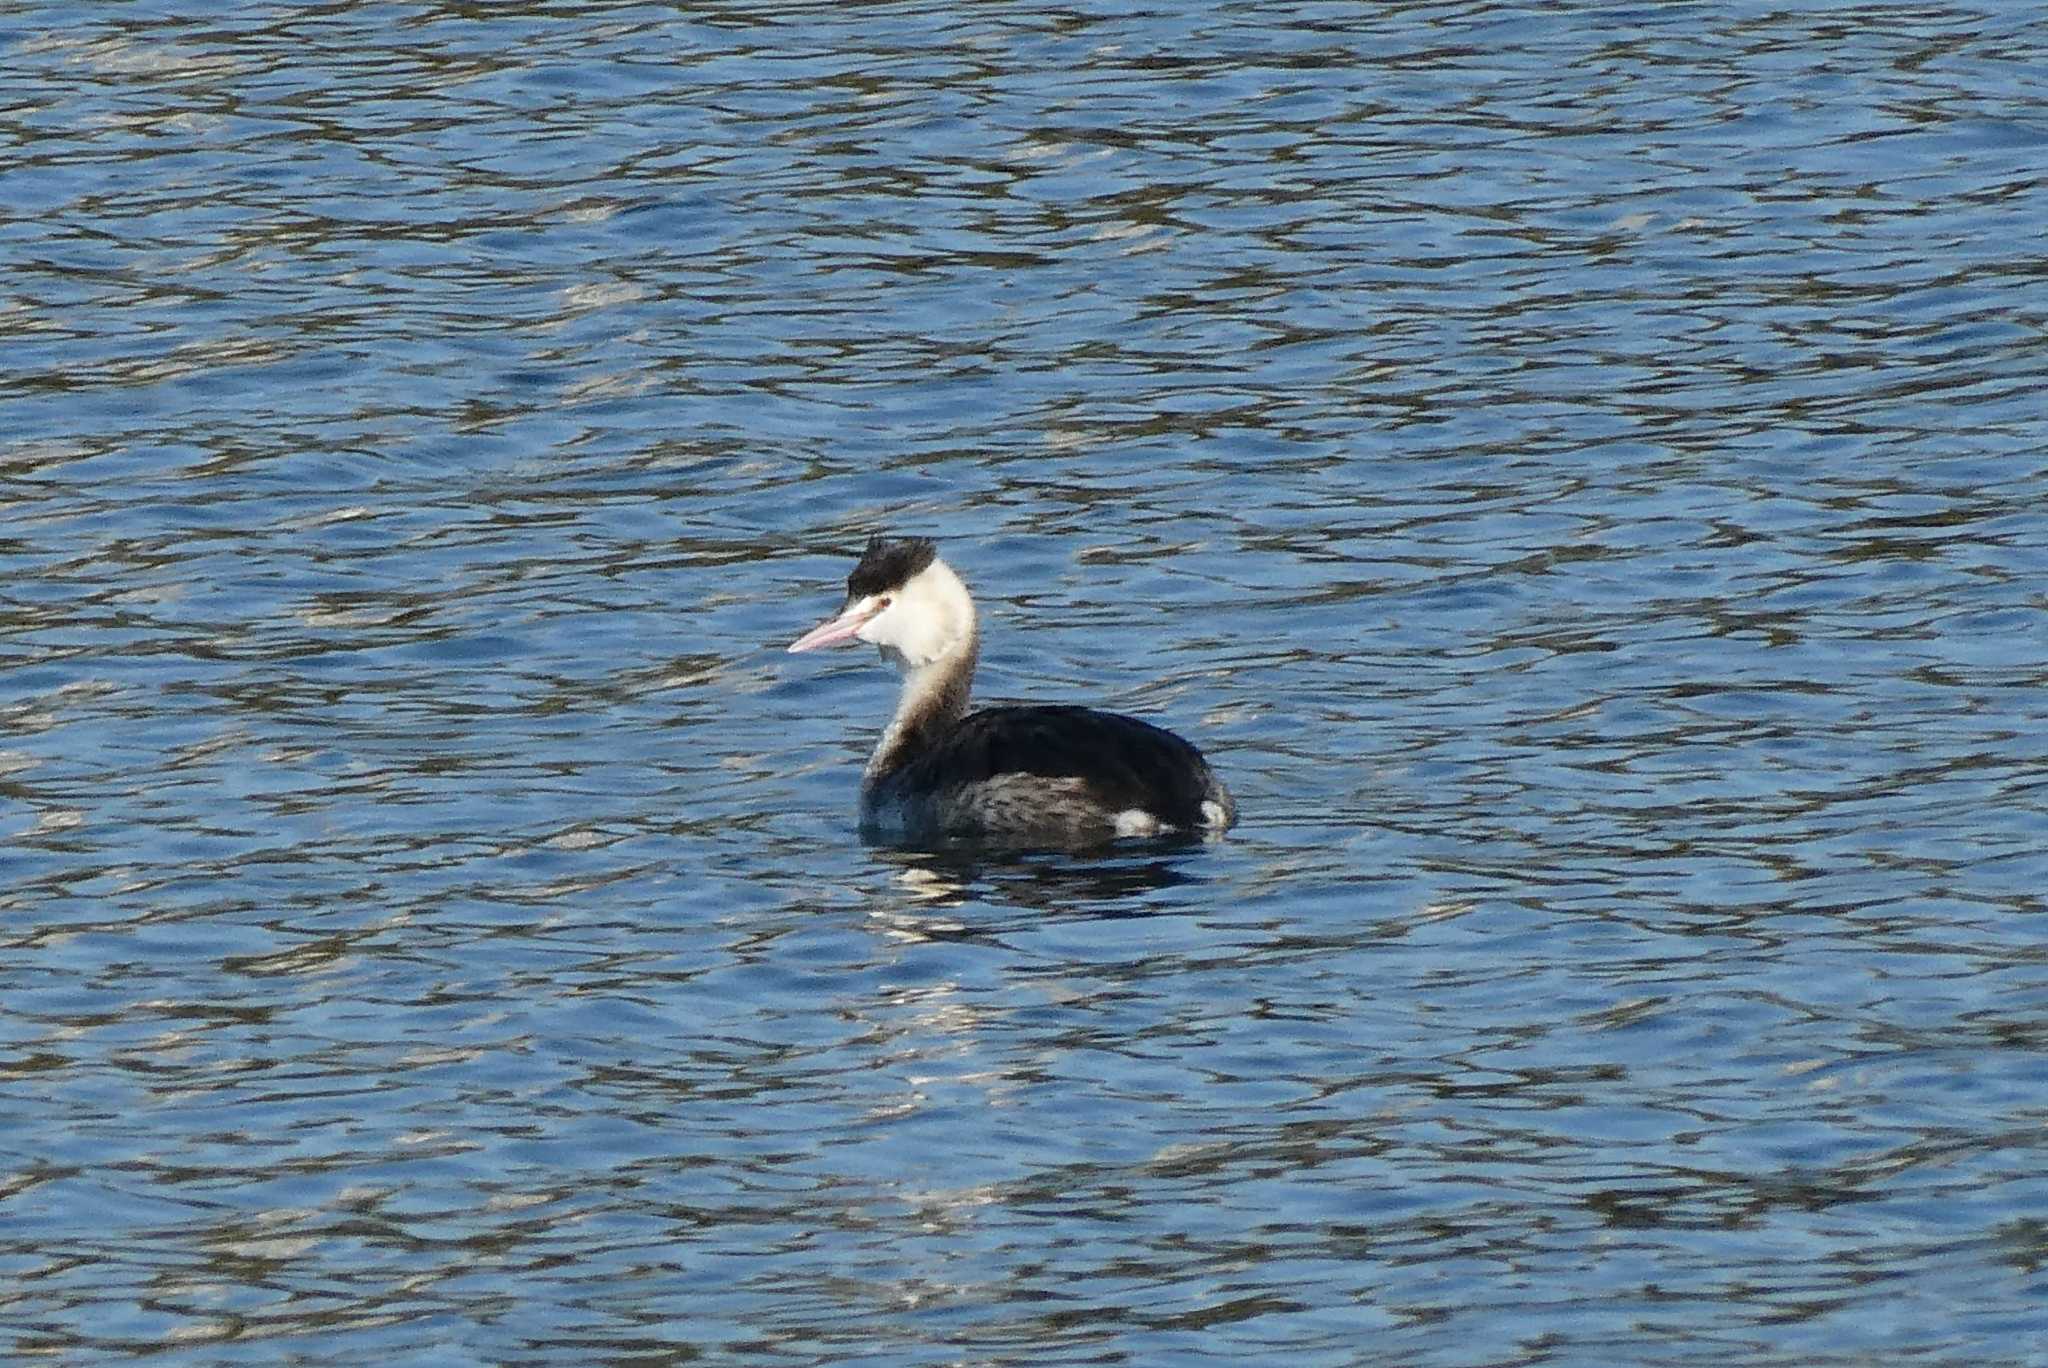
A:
(1578, 471)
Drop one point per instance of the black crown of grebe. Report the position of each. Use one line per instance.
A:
(1052, 775)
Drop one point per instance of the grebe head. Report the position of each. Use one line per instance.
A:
(904, 600)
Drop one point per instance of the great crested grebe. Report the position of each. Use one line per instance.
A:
(1032, 774)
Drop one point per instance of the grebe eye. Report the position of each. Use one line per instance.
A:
(883, 606)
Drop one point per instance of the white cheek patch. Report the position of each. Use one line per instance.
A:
(925, 619)
(869, 609)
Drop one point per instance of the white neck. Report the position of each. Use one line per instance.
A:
(929, 633)
(934, 697)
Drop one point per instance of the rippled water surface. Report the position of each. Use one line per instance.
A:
(1579, 471)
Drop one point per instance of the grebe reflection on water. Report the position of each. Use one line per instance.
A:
(1027, 774)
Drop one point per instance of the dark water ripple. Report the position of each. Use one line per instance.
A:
(1578, 470)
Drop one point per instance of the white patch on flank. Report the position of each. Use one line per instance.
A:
(1136, 822)
(1214, 816)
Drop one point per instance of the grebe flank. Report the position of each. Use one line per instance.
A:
(1054, 775)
